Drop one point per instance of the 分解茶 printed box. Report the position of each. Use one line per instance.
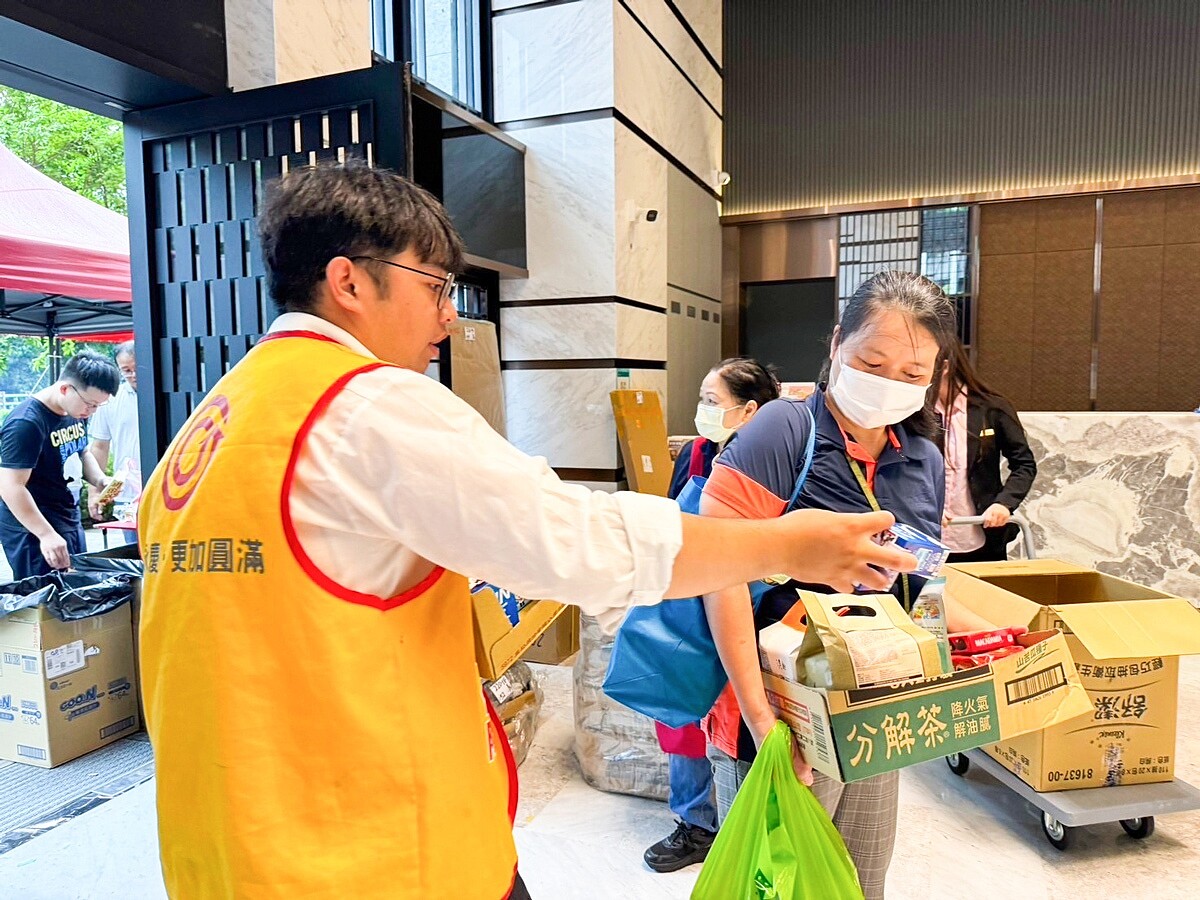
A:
(851, 735)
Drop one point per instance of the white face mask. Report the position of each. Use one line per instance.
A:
(710, 422)
(871, 401)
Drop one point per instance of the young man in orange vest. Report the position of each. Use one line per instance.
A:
(307, 653)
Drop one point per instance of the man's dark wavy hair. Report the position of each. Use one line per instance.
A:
(315, 213)
(88, 369)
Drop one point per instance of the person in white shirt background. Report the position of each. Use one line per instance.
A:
(114, 431)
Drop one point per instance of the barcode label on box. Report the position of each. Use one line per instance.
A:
(30, 752)
(116, 727)
(65, 659)
(1041, 682)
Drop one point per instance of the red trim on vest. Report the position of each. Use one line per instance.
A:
(276, 335)
(510, 763)
(289, 529)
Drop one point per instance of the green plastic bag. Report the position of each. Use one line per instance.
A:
(778, 842)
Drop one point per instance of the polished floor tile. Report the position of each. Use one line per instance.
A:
(959, 837)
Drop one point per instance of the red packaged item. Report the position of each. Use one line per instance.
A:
(971, 661)
(969, 642)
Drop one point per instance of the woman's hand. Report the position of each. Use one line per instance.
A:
(761, 727)
(996, 516)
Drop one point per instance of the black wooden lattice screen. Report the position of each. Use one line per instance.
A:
(197, 173)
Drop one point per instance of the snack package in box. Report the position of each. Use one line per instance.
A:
(868, 640)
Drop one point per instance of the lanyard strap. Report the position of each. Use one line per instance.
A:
(861, 477)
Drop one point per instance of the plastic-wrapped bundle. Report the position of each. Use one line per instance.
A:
(520, 718)
(616, 747)
(518, 701)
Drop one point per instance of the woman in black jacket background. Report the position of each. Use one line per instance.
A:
(979, 427)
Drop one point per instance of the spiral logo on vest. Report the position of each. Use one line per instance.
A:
(195, 452)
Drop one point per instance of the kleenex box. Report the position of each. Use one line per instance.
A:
(931, 553)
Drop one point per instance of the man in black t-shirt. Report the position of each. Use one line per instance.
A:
(40, 525)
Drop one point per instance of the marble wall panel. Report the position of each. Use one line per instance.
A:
(321, 37)
(572, 331)
(679, 45)
(655, 96)
(564, 415)
(250, 43)
(640, 333)
(641, 245)
(705, 17)
(694, 347)
(1119, 492)
(693, 236)
(501, 5)
(552, 60)
(569, 202)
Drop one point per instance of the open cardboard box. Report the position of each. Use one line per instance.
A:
(498, 642)
(851, 735)
(559, 642)
(1124, 638)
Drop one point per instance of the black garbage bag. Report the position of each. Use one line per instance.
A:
(124, 558)
(69, 595)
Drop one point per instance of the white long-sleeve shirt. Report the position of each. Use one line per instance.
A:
(399, 472)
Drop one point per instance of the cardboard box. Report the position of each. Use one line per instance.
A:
(498, 642)
(65, 687)
(642, 434)
(1125, 640)
(559, 642)
(475, 369)
(851, 735)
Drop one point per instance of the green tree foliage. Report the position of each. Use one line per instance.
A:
(82, 151)
(76, 148)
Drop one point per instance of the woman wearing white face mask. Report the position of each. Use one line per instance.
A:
(872, 448)
(730, 396)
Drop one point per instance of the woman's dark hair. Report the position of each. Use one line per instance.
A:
(87, 369)
(748, 379)
(316, 213)
(961, 374)
(924, 304)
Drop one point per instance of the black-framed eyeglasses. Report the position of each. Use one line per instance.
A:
(448, 281)
(86, 402)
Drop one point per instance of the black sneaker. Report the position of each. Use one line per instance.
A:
(687, 844)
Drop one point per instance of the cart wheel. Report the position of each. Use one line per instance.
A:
(1057, 833)
(958, 763)
(1138, 828)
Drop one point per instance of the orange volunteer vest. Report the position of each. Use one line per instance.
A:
(311, 742)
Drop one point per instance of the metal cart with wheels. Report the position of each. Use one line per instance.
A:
(1134, 806)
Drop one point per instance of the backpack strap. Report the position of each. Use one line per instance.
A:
(808, 458)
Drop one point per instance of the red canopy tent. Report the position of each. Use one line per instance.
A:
(64, 260)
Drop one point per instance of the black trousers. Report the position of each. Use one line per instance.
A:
(519, 891)
(982, 554)
(24, 551)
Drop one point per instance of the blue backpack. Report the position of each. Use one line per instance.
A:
(664, 662)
